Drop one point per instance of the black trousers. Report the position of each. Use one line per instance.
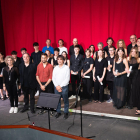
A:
(75, 78)
(110, 87)
(26, 92)
(98, 91)
(12, 91)
(49, 88)
(87, 87)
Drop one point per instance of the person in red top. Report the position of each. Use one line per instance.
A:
(44, 76)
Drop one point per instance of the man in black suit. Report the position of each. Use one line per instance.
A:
(133, 40)
(28, 82)
(71, 49)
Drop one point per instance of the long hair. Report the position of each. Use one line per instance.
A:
(117, 56)
(66, 54)
(93, 47)
(124, 46)
(137, 53)
(103, 55)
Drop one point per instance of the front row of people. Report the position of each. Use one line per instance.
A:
(122, 77)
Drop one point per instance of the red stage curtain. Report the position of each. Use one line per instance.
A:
(91, 21)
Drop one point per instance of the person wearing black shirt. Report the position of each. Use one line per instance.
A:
(10, 76)
(66, 61)
(138, 44)
(109, 73)
(133, 40)
(76, 64)
(49, 59)
(22, 50)
(36, 55)
(109, 42)
(28, 82)
(99, 76)
(56, 53)
(87, 74)
(71, 49)
(17, 60)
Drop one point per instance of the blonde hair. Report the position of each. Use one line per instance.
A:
(124, 46)
(137, 54)
(7, 57)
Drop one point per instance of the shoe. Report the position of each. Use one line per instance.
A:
(51, 113)
(130, 107)
(2, 98)
(23, 110)
(37, 93)
(57, 115)
(72, 97)
(41, 111)
(11, 110)
(32, 111)
(90, 100)
(66, 116)
(16, 110)
(109, 101)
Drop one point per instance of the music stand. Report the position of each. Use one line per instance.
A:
(48, 100)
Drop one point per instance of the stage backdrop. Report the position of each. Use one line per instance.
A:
(91, 21)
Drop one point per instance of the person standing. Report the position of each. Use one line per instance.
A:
(92, 49)
(61, 47)
(49, 59)
(109, 73)
(22, 50)
(76, 65)
(28, 82)
(61, 78)
(17, 60)
(44, 76)
(10, 78)
(56, 53)
(87, 74)
(66, 61)
(120, 69)
(138, 45)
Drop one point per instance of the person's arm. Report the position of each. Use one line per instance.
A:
(89, 70)
(82, 61)
(105, 54)
(94, 57)
(68, 62)
(94, 79)
(52, 61)
(104, 71)
(126, 52)
(71, 65)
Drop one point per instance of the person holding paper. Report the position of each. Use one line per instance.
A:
(87, 74)
(120, 80)
(76, 64)
(133, 62)
(99, 70)
(109, 73)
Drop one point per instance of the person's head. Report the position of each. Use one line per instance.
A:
(44, 57)
(111, 50)
(64, 54)
(92, 48)
(9, 60)
(23, 50)
(109, 41)
(60, 60)
(61, 42)
(138, 44)
(48, 42)
(120, 53)
(48, 53)
(100, 46)
(26, 58)
(88, 52)
(121, 43)
(36, 45)
(56, 51)
(100, 54)
(75, 41)
(133, 39)
(133, 53)
(1, 56)
(76, 49)
(14, 54)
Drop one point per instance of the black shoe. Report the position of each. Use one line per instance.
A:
(41, 111)
(23, 110)
(66, 116)
(130, 107)
(32, 111)
(51, 113)
(57, 115)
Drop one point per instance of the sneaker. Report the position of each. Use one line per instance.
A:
(72, 97)
(16, 110)
(11, 110)
(37, 93)
(57, 115)
(109, 101)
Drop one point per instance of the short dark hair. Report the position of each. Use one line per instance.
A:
(138, 38)
(92, 45)
(61, 57)
(1, 53)
(14, 53)
(111, 47)
(35, 44)
(88, 50)
(56, 49)
(23, 49)
(77, 46)
(61, 40)
(109, 39)
(44, 54)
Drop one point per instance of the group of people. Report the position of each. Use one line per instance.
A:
(49, 71)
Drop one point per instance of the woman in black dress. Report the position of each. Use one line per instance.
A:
(99, 76)
(50, 60)
(133, 61)
(56, 53)
(87, 71)
(92, 48)
(10, 77)
(120, 69)
(67, 61)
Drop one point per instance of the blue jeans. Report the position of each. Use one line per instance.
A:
(63, 94)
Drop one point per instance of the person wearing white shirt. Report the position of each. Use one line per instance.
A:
(61, 47)
(61, 78)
